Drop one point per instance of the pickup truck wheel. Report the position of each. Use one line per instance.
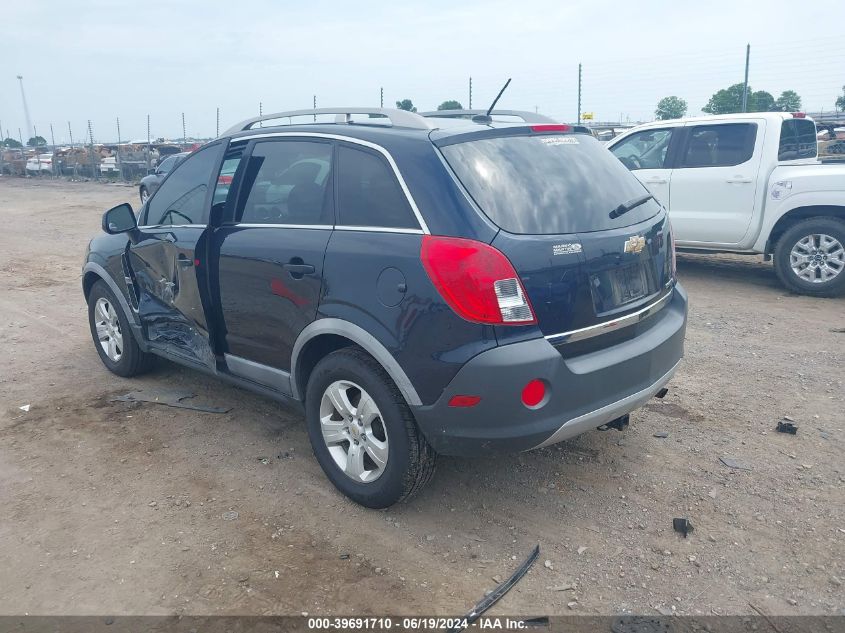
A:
(112, 335)
(363, 433)
(810, 257)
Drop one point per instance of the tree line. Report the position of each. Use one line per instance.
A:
(729, 101)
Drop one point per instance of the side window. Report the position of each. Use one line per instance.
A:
(226, 176)
(797, 140)
(369, 194)
(287, 182)
(181, 197)
(719, 145)
(644, 150)
(166, 165)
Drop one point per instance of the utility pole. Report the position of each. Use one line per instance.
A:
(315, 107)
(745, 86)
(260, 113)
(119, 163)
(381, 97)
(470, 93)
(25, 108)
(91, 151)
(579, 94)
(217, 133)
(184, 133)
(20, 136)
(149, 149)
(53, 141)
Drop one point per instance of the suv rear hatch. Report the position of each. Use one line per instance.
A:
(588, 242)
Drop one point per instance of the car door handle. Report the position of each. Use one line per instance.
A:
(298, 269)
(656, 181)
(739, 180)
(184, 261)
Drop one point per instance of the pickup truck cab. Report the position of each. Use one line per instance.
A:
(747, 183)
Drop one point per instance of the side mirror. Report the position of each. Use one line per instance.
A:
(120, 219)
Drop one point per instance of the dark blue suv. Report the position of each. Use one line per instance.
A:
(417, 285)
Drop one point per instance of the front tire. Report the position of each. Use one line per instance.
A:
(809, 257)
(362, 431)
(113, 338)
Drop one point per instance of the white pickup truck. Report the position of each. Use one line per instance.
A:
(747, 183)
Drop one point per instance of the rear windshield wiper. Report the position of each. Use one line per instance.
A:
(631, 204)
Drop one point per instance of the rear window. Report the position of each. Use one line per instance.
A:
(797, 140)
(547, 184)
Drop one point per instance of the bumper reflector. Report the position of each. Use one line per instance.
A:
(464, 401)
(533, 393)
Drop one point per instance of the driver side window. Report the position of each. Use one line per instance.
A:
(181, 197)
(644, 150)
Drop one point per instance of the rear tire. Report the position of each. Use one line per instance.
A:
(113, 338)
(340, 440)
(809, 257)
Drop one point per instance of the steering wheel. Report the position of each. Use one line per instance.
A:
(631, 162)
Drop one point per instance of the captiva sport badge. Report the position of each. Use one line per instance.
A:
(634, 244)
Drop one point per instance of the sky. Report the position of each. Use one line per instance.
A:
(104, 60)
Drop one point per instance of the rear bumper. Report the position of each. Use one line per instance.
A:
(583, 392)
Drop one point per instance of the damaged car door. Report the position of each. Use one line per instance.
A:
(164, 259)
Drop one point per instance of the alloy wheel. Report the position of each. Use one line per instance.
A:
(353, 430)
(817, 258)
(108, 329)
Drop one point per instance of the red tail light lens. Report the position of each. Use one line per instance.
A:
(551, 127)
(799, 115)
(476, 280)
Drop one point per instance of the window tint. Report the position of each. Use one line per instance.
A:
(797, 140)
(167, 164)
(548, 184)
(226, 176)
(719, 145)
(181, 197)
(286, 182)
(644, 150)
(369, 194)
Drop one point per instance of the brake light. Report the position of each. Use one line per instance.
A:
(799, 115)
(477, 281)
(551, 127)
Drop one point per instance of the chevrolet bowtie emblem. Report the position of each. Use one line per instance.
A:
(634, 244)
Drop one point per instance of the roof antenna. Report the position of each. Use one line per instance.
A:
(486, 118)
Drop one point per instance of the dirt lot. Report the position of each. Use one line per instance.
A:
(115, 508)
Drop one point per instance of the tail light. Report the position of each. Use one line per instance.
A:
(477, 281)
(799, 115)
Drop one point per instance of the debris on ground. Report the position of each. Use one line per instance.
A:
(344, 557)
(168, 398)
(263, 460)
(496, 594)
(582, 549)
(662, 393)
(547, 564)
(732, 462)
(662, 434)
(786, 427)
(231, 515)
(25, 407)
(682, 526)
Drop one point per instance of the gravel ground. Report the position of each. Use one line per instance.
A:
(110, 507)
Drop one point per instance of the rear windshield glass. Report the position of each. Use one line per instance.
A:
(546, 184)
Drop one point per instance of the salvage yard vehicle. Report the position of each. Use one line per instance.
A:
(40, 164)
(751, 184)
(150, 184)
(416, 286)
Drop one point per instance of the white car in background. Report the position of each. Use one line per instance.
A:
(747, 183)
(40, 164)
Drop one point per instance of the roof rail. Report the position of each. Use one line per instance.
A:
(528, 117)
(397, 118)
